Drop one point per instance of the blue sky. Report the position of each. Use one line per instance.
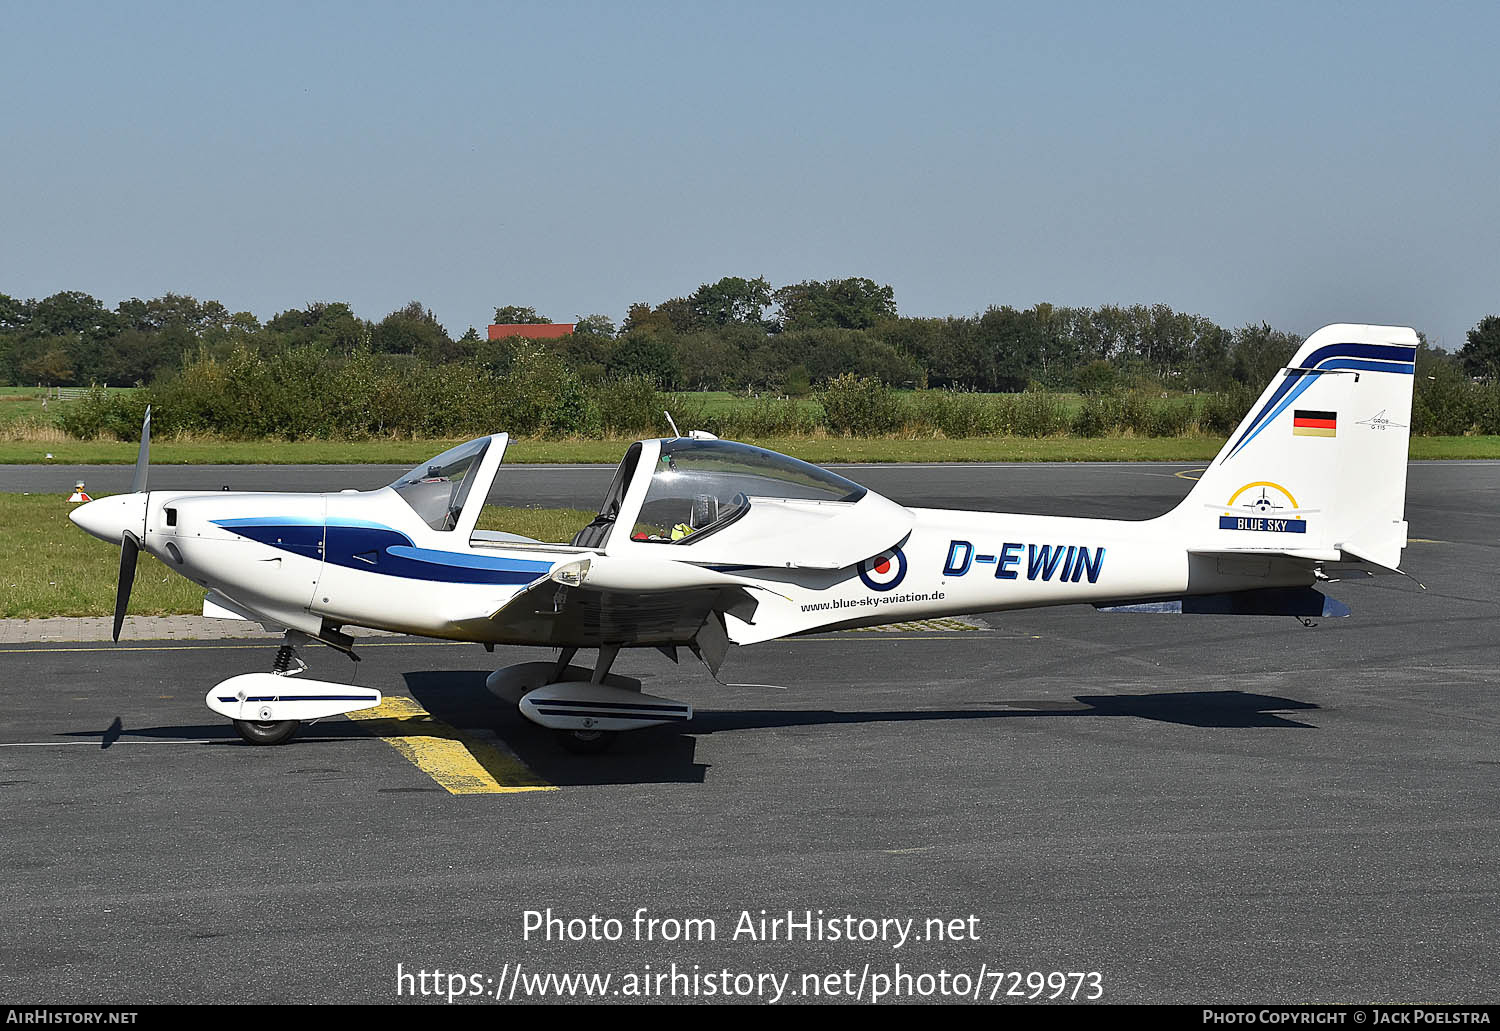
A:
(1299, 163)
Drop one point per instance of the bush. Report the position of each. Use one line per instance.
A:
(1098, 417)
(631, 406)
(1095, 378)
(522, 387)
(861, 407)
(798, 381)
(1169, 418)
(1038, 414)
(1446, 404)
(1487, 408)
(105, 413)
(769, 417)
(1221, 412)
(958, 414)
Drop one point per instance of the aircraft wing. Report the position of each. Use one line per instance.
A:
(597, 601)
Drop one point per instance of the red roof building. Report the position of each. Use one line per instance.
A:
(545, 331)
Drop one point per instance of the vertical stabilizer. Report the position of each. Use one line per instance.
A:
(1319, 463)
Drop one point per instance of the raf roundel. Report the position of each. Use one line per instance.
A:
(885, 571)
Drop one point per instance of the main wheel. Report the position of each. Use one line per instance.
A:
(586, 742)
(276, 733)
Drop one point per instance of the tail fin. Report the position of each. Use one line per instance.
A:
(1319, 464)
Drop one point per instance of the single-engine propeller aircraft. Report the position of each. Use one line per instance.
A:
(701, 543)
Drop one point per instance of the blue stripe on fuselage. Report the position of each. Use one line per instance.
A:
(372, 548)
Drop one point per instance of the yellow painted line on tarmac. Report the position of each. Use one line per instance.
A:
(460, 762)
(917, 625)
(1190, 474)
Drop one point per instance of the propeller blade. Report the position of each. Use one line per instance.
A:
(143, 457)
(130, 547)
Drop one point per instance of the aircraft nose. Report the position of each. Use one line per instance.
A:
(109, 518)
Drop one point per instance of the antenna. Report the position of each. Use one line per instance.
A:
(672, 424)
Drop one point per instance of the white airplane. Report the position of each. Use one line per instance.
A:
(702, 543)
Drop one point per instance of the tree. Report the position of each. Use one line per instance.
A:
(834, 304)
(1480, 356)
(1259, 352)
(48, 368)
(1013, 343)
(332, 325)
(644, 354)
(1097, 377)
(730, 301)
(14, 313)
(798, 381)
(71, 311)
(516, 315)
(172, 310)
(641, 315)
(595, 325)
(467, 347)
(413, 330)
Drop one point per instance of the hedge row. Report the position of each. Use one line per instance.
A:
(305, 394)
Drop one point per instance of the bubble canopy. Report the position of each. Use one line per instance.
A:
(698, 487)
(437, 489)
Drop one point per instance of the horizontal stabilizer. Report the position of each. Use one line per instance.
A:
(1301, 554)
(1268, 601)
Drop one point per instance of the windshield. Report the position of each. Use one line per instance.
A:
(436, 489)
(704, 485)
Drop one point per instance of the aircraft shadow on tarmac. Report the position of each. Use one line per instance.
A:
(666, 754)
(459, 699)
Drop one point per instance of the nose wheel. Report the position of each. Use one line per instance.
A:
(586, 742)
(274, 732)
(267, 708)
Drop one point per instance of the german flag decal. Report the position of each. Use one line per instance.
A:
(1314, 424)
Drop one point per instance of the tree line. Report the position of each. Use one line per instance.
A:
(737, 334)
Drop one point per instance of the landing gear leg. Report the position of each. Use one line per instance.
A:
(563, 659)
(589, 741)
(286, 664)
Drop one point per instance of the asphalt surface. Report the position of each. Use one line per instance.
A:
(1201, 809)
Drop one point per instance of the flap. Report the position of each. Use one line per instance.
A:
(548, 612)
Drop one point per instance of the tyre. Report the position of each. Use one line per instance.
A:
(277, 733)
(586, 742)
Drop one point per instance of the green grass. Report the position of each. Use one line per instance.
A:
(555, 525)
(25, 403)
(812, 449)
(55, 569)
(17, 403)
(1433, 448)
(716, 402)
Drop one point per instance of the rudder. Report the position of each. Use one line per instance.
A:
(1319, 463)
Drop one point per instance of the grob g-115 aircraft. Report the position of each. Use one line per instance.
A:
(701, 543)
